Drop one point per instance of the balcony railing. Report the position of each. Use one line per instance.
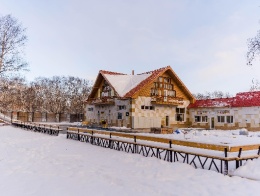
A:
(102, 101)
(167, 100)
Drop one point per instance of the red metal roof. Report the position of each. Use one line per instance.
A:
(245, 99)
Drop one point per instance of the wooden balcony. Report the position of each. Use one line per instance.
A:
(160, 100)
(102, 101)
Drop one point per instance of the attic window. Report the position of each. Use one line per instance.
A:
(106, 90)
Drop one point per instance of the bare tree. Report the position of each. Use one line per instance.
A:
(253, 48)
(255, 85)
(212, 95)
(10, 88)
(46, 95)
(77, 91)
(12, 41)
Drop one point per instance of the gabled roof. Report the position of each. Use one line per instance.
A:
(154, 75)
(245, 99)
(127, 86)
(124, 83)
(99, 80)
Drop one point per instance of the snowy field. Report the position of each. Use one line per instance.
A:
(38, 164)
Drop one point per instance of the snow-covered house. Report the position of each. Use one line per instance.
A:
(152, 99)
(241, 111)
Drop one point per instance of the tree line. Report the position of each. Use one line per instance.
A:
(58, 94)
(212, 95)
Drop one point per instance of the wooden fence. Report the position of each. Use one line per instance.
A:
(222, 164)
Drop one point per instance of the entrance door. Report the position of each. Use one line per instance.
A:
(212, 123)
(167, 121)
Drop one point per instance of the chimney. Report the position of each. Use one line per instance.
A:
(133, 72)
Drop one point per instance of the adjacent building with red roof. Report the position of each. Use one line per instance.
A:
(152, 99)
(241, 111)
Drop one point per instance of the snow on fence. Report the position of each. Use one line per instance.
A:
(224, 161)
(47, 129)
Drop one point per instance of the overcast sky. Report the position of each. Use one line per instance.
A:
(205, 42)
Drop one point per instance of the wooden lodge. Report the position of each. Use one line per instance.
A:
(152, 99)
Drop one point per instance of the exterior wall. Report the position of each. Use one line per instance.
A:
(155, 117)
(113, 115)
(243, 117)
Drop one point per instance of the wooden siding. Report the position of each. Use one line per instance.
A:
(147, 91)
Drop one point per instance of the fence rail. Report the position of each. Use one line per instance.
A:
(233, 149)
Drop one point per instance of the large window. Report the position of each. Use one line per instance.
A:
(221, 119)
(201, 119)
(204, 119)
(197, 118)
(229, 119)
(225, 119)
(180, 114)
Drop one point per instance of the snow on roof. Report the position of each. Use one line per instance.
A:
(124, 83)
(245, 99)
(205, 103)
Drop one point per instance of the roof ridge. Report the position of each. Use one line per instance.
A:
(156, 70)
(111, 72)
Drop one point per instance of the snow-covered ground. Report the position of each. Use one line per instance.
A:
(218, 137)
(38, 164)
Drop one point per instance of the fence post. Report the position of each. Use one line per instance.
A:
(135, 145)
(226, 162)
(170, 145)
(91, 141)
(239, 155)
